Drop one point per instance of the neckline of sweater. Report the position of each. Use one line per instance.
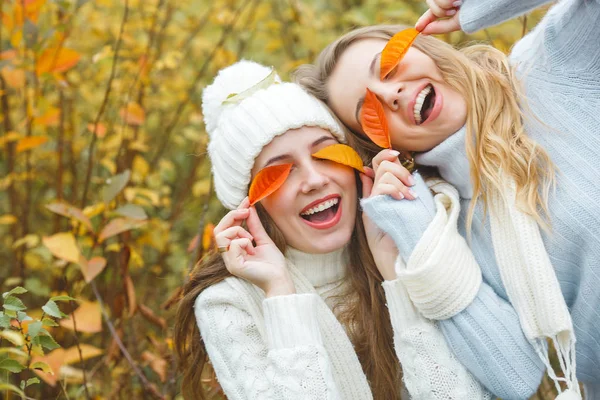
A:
(450, 158)
(319, 269)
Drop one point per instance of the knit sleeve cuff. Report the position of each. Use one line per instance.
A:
(404, 220)
(442, 276)
(479, 14)
(291, 321)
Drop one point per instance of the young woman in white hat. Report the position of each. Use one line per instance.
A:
(294, 304)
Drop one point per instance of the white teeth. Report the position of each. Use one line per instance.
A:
(419, 103)
(323, 206)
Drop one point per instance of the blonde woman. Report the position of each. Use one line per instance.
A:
(462, 112)
(294, 304)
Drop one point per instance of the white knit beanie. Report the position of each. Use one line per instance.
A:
(240, 127)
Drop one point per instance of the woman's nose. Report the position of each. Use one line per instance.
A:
(313, 178)
(389, 93)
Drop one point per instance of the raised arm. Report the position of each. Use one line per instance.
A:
(288, 362)
(482, 329)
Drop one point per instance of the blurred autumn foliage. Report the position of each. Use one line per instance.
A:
(105, 187)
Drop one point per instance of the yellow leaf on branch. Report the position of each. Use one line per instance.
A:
(88, 318)
(63, 246)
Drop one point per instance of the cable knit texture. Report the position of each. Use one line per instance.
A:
(431, 371)
(559, 65)
(293, 347)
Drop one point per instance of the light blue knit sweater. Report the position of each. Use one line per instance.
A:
(559, 65)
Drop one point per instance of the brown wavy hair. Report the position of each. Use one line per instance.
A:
(496, 139)
(362, 311)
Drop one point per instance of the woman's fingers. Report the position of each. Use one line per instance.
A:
(384, 155)
(232, 218)
(443, 26)
(388, 178)
(430, 24)
(398, 175)
(257, 229)
(391, 156)
(389, 189)
(225, 237)
(235, 256)
(436, 9)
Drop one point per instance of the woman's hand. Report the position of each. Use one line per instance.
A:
(382, 246)
(442, 17)
(390, 177)
(262, 264)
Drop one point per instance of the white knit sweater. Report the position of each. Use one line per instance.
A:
(293, 347)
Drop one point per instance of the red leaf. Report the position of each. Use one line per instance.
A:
(373, 121)
(267, 181)
(395, 49)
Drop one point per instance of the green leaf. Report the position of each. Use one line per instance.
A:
(235, 98)
(132, 211)
(34, 329)
(114, 185)
(14, 337)
(14, 304)
(49, 322)
(42, 366)
(63, 298)
(16, 290)
(13, 388)
(21, 316)
(47, 342)
(32, 381)
(11, 350)
(11, 365)
(51, 308)
(4, 320)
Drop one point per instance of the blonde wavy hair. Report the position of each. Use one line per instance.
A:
(496, 144)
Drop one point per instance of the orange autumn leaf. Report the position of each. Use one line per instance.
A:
(373, 121)
(267, 181)
(208, 237)
(341, 154)
(91, 268)
(395, 49)
(57, 60)
(133, 114)
(100, 129)
(14, 77)
(30, 142)
(50, 118)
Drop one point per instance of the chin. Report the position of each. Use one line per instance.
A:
(330, 243)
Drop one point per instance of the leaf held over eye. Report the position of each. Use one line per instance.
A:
(395, 49)
(341, 154)
(267, 181)
(372, 118)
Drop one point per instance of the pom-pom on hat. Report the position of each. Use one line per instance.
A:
(244, 108)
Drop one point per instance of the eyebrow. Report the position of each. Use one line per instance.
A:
(361, 101)
(286, 156)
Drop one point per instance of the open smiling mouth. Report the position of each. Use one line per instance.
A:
(424, 104)
(324, 214)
